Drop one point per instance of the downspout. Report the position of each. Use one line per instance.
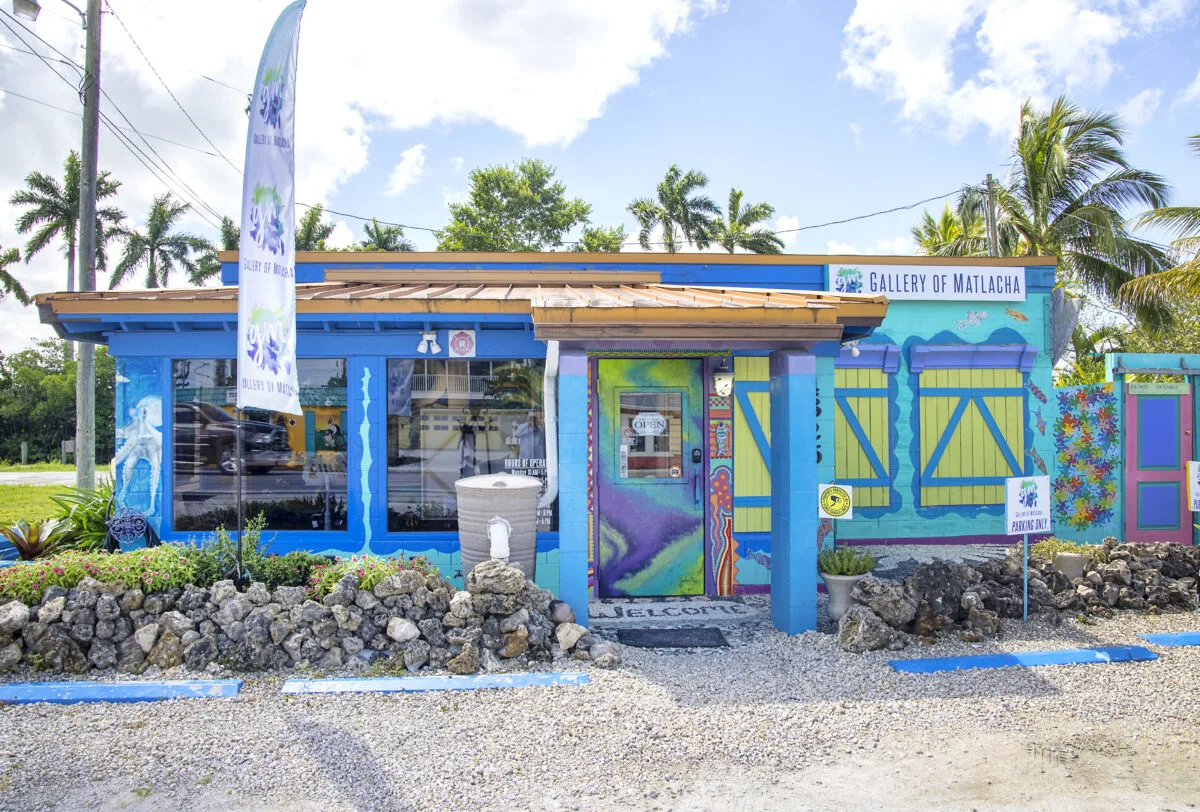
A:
(550, 410)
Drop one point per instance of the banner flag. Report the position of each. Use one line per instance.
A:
(267, 251)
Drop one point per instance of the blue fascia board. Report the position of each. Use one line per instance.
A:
(1172, 639)
(389, 685)
(69, 693)
(1025, 659)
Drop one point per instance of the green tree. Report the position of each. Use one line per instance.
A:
(741, 227)
(52, 211)
(8, 282)
(209, 266)
(37, 401)
(312, 231)
(598, 239)
(1183, 278)
(380, 237)
(950, 236)
(684, 215)
(1084, 360)
(159, 248)
(513, 208)
(1065, 196)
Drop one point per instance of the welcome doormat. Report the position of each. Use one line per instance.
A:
(699, 637)
(638, 614)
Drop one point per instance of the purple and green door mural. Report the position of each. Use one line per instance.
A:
(650, 485)
(1158, 441)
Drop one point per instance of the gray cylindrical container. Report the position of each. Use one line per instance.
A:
(511, 496)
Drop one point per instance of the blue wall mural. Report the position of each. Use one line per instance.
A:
(139, 460)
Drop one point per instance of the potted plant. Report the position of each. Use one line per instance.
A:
(1069, 558)
(840, 569)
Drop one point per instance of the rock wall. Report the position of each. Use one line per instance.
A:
(422, 622)
(972, 599)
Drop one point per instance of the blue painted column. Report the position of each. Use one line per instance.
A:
(572, 482)
(794, 521)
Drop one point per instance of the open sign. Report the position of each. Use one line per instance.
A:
(649, 423)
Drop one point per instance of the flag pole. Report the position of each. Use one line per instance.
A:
(1025, 603)
(241, 507)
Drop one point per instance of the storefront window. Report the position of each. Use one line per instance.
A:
(449, 419)
(294, 467)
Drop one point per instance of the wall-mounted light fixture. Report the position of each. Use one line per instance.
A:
(723, 377)
(428, 344)
(853, 347)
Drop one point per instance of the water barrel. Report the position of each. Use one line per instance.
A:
(511, 496)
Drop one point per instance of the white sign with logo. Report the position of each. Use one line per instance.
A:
(648, 424)
(462, 343)
(1026, 505)
(1194, 485)
(930, 282)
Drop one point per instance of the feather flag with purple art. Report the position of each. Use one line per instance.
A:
(266, 356)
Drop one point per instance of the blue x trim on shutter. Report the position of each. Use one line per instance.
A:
(881, 478)
(966, 396)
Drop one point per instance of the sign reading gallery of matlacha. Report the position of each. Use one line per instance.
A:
(931, 282)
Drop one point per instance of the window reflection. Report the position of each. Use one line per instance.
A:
(449, 419)
(294, 466)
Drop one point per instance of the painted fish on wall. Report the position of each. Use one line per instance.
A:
(974, 319)
(1037, 392)
(1016, 314)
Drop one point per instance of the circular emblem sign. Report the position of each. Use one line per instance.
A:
(462, 343)
(835, 501)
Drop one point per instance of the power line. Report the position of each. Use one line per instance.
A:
(865, 216)
(154, 70)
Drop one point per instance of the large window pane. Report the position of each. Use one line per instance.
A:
(294, 467)
(449, 419)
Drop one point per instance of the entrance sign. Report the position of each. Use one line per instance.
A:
(961, 283)
(1158, 388)
(267, 375)
(649, 424)
(835, 501)
(1194, 485)
(1026, 505)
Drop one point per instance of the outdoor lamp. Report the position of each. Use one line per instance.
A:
(428, 344)
(27, 9)
(723, 378)
(853, 347)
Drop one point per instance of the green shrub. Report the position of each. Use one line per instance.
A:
(845, 561)
(151, 569)
(1047, 549)
(83, 513)
(292, 569)
(216, 560)
(370, 570)
(36, 539)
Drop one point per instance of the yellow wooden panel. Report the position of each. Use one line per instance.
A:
(751, 520)
(750, 476)
(850, 460)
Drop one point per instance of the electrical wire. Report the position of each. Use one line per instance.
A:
(163, 82)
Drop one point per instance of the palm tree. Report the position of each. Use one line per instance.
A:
(741, 229)
(54, 212)
(1064, 197)
(678, 210)
(159, 248)
(8, 282)
(384, 238)
(600, 239)
(312, 231)
(950, 236)
(1084, 362)
(1183, 279)
(209, 266)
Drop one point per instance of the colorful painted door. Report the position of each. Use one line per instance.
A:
(650, 478)
(1158, 443)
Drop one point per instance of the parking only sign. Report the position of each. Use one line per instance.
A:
(1194, 485)
(1026, 505)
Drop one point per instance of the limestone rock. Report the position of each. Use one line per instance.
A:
(461, 605)
(568, 634)
(130, 657)
(561, 612)
(103, 653)
(222, 591)
(147, 636)
(51, 610)
(199, 654)
(416, 654)
(10, 656)
(516, 619)
(402, 630)
(59, 652)
(402, 583)
(232, 610)
(986, 622)
(13, 617)
(516, 643)
(467, 662)
(167, 652)
(176, 623)
(887, 599)
(131, 600)
(861, 630)
(495, 577)
(605, 654)
(289, 596)
(258, 595)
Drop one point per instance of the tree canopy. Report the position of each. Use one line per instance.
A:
(678, 209)
(742, 227)
(513, 208)
(598, 239)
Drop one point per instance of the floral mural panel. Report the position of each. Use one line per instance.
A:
(1087, 447)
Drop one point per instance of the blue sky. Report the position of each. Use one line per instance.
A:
(825, 110)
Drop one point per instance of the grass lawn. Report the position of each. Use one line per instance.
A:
(8, 467)
(28, 502)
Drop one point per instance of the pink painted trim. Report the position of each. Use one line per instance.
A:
(1134, 475)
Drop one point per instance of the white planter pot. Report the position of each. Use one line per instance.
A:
(1072, 565)
(839, 588)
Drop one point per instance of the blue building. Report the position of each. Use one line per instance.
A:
(681, 409)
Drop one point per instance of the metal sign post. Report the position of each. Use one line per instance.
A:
(1026, 510)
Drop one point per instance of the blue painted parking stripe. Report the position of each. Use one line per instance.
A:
(68, 693)
(1173, 638)
(1025, 659)
(389, 685)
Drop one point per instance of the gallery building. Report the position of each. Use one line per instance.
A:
(681, 408)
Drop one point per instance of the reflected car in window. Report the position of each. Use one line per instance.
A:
(206, 437)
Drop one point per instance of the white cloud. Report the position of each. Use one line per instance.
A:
(1189, 95)
(541, 69)
(787, 223)
(456, 164)
(1138, 111)
(836, 247)
(342, 236)
(410, 168)
(856, 134)
(895, 245)
(913, 51)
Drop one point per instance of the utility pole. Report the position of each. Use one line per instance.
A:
(85, 370)
(993, 237)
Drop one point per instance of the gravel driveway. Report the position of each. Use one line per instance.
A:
(770, 723)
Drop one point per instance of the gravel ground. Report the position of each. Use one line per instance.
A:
(771, 722)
